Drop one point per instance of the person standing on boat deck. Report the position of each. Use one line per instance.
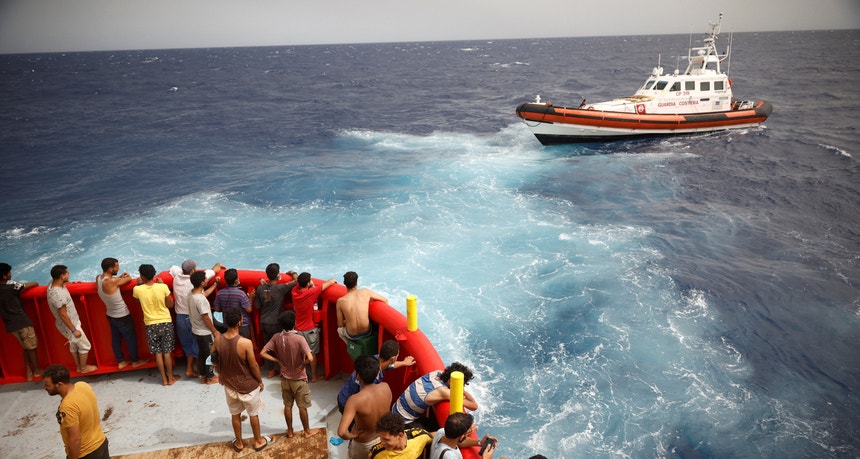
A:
(364, 409)
(290, 351)
(396, 441)
(67, 320)
(304, 301)
(16, 321)
(269, 299)
(155, 301)
(119, 317)
(429, 390)
(78, 415)
(353, 321)
(387, 358)
(241, 378)
(202, 327)
(232, 297)
(181, 293)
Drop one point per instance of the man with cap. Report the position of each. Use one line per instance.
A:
(181, 293)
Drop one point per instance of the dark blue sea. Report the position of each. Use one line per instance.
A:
(689, 297)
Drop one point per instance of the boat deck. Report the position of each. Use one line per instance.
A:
(143, 419)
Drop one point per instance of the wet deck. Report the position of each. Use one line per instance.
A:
(143, 419)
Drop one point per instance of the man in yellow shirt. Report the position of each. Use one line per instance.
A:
(397, 443)
(78, 415)
(155, 301)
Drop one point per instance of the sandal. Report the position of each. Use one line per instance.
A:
(235, 448)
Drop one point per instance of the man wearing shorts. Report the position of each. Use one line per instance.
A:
(67, 320)
(290, 351)
(305, 297)
(155, 301)
(241, 378)
(16, 320)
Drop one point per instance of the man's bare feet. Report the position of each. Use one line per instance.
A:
(123, 364)
(88, 369)
(37, 373)
(290, 433)
(311, 432)
(272, 373)
(175, 377)
(192, 374)
(29, 374)
(139, 363)
(214, 380)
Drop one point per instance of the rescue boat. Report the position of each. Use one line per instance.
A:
(698, 100)
(389, 323)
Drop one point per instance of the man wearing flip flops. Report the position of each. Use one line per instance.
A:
(241, 378)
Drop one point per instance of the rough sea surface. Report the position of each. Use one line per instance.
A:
(683, 297)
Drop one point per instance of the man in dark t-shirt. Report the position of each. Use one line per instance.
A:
(16, 320)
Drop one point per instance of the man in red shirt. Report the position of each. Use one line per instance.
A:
(305, 297)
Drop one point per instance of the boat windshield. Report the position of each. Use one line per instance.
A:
(648, 85)
(661, 85)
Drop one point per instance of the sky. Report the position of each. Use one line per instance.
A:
(30, 26)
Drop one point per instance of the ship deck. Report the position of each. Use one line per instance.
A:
(145, 420)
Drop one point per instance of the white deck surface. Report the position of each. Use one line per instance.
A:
(145, 416)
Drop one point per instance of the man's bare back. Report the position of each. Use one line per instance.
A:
(352, 310)
(365, 408)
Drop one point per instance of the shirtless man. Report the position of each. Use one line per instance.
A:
(353, 322)
(364, 408)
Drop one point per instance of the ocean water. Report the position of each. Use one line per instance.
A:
(683, 297)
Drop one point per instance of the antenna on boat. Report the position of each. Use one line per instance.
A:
(729, 54)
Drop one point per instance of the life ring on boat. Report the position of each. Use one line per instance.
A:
(590, 107)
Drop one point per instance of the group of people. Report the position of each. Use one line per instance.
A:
(221, 334)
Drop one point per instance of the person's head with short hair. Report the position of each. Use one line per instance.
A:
(54, 378)
(232, 317)
(388, 353)
(109, 263)
(272, 271)
(188, 266)
(287, 319)
(350, 279)
(231, 277)
(390, 429)
(58, 270)
(197, 278)
(304, 279)
(5, 268)
(538, 456)
(366, 369)
(458, 425)
(456, 366)
(147, 272)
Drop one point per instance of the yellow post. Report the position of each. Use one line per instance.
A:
(457, 383)
(411, 313)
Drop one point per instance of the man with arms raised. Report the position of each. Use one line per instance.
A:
(269, 299)
(181, 295)
(78, 415)
(353, 321)
(119, 317)
(305, 296)
(155, 301)
(364, 409)
(202, 327)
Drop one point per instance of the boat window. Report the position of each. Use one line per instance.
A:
(718, 86)
(648, 84)
(661, 85)
(689, 86)
(676, 86)
(705, 86)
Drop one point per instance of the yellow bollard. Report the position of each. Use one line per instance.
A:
(411, 313)
(457, 383)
